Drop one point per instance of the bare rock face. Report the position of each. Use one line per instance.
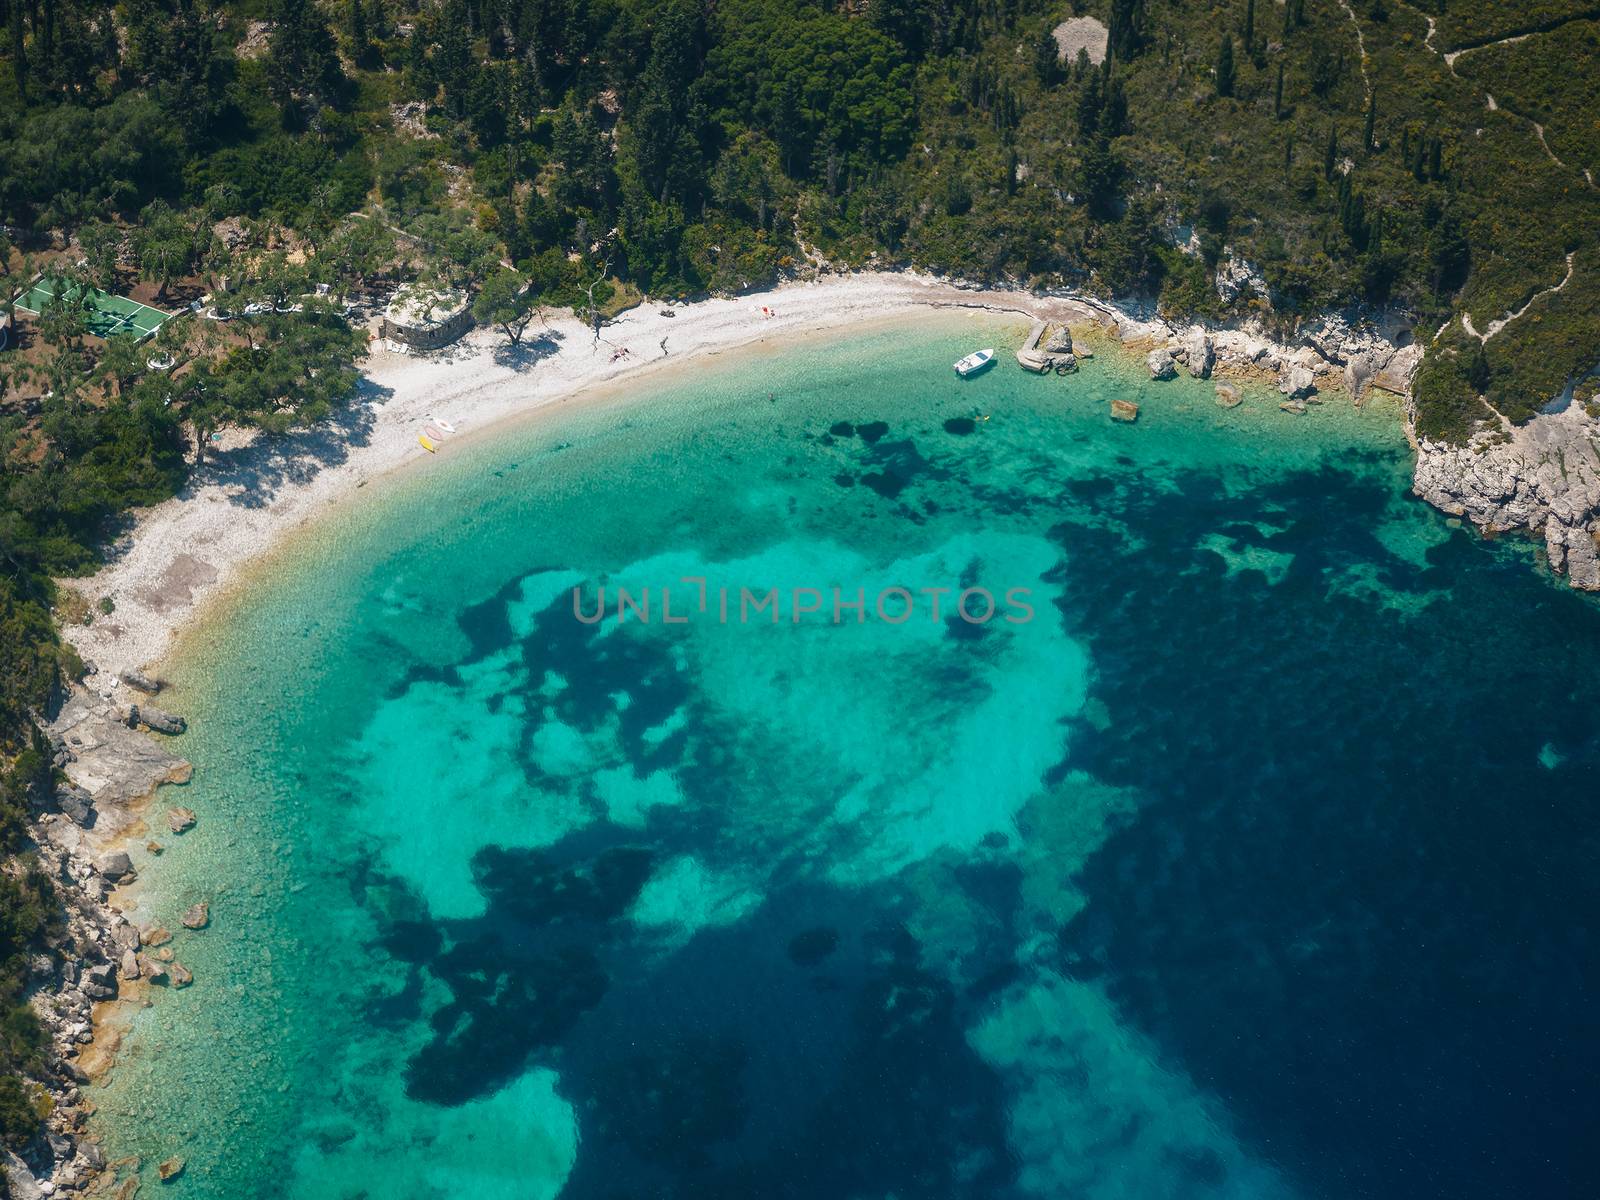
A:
(1297, 382)
(156, 719)
(1200, 354)
(76, 804)
(20, 1181)
(1235, 276)
(130, 965)
(1161, 364)
(1543, 476)
(112, 764)
(142, 682)
(115, 866)
(100, 982)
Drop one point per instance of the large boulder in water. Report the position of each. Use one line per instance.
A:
(156, 719)
(1199, 354)
(1161, 364)
(1060, 342)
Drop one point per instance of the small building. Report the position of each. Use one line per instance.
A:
(425, 318)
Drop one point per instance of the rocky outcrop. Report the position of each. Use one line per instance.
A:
(156, 719)
(1124, 410)
(1297, 382)
(180, 820)
(1199, 353)
(198, 916)
(1235, 276)
(1543, 476)
(142, 683)
(115, 866)
(111, 763)
(76, 805)
(1161, 364)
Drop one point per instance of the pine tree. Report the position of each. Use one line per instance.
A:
(1368, 136)
(1225, 66)
(1330, 156)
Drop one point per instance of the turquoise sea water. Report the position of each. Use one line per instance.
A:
(1257, 864)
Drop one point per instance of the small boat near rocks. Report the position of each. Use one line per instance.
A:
(974, 362)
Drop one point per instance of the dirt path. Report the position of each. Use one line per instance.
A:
(1500, 323)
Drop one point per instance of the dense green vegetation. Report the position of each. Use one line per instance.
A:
(27, 911)
(550, 152)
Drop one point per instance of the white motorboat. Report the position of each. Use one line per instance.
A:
(974, 362)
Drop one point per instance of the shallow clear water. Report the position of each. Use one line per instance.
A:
(1258, 863)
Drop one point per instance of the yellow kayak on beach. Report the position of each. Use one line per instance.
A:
(422, 440)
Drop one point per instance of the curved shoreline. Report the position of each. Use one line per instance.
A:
(252, 492)
(194, 553)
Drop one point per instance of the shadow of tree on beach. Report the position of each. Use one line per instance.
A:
(253, 474)
(529, 352)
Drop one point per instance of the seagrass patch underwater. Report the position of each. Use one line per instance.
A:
(1256, 863)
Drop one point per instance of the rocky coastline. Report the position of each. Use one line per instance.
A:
(1541, 477)
(98, 966)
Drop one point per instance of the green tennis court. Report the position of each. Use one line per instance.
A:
(106, 315)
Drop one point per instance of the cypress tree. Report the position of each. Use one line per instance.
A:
(1277, 94)
(1372, 121)
(1436, 159)
(358, 29)
(19, 53)
(1225, 66)
(1249, 24)
(1331, 155)
(1047, 59)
